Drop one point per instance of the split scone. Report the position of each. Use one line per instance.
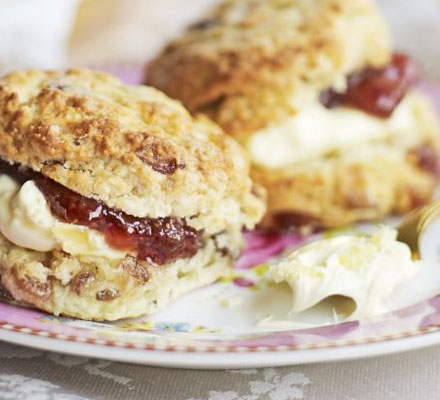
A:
(328, 115)
(113, 199)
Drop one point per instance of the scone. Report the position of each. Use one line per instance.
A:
(330, 118)
(113, 199)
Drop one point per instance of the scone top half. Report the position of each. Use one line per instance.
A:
(130, 147)
(313, 92)
(244, 46)
(114, 200)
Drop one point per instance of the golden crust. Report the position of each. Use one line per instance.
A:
(243, 44)
(128, 146)
(364, 185)
(243, 114)
(96, 288)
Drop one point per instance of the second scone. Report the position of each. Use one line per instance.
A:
(113, 199)
(328, 115)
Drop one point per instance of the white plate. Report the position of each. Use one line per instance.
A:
(198, 331)
(225, 325)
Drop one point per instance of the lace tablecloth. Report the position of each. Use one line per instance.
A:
(27, 374)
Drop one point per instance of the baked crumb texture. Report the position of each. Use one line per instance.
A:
(251, 64)
(138, 151)
(100, 289)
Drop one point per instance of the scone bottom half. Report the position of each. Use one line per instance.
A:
(336, 130)
(91, 174)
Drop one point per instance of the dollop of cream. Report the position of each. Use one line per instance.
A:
(26, 221)
(362, 269)
(316, 131)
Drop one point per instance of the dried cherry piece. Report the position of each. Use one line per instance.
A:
(292, 220)
(428, 159)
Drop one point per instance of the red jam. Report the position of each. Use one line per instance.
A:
(377, 91)
(160, 240)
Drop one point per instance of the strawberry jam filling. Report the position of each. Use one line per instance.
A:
(377, 91)
(158, 240)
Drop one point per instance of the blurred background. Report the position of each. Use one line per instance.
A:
(127, 33)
